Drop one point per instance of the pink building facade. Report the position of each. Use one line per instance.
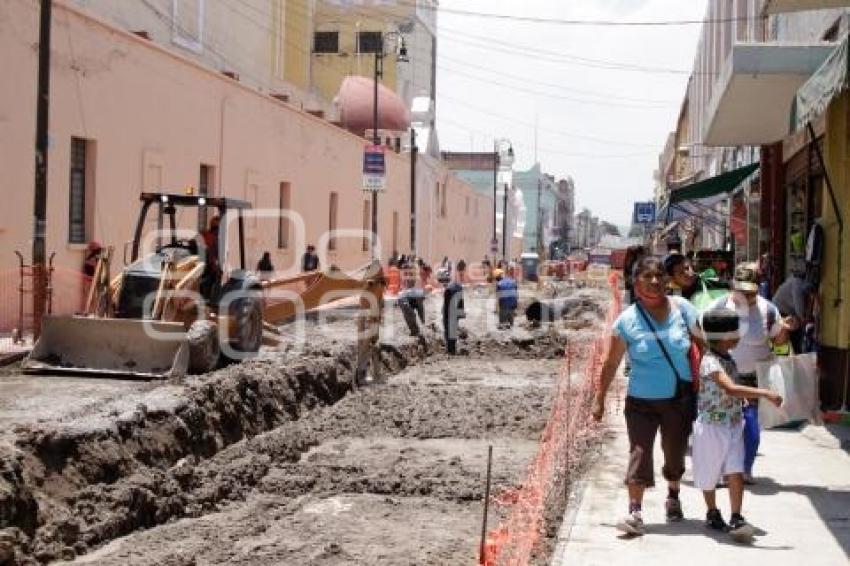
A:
(128, 116)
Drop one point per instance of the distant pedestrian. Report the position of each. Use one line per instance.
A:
(310, 261)
(92, 256)
(393, 277)
(718, 438)
(507, 293)
(460, 269)
(453, 311)
(265, 269)
(633, 254)
(792, 298)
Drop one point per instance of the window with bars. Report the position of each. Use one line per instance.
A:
(332, 220)
(77, 192)
(326, 42)
(395, 231)
(205, 184)
(443, 204)
(370, 42)
(283, 222)
(366, 225)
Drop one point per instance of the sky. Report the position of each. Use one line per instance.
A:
(603, 126)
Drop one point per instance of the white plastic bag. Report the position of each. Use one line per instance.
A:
(796, 379)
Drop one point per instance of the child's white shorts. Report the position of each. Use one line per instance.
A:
(717, 450)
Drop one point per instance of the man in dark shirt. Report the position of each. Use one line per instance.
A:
(507, 293)
(310, 261)
(452, 313)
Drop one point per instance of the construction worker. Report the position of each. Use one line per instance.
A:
(92, 255)
(393, 277)
(453, 311)
(310, 261)
(506, 291)
(210, 285)
(210, 238)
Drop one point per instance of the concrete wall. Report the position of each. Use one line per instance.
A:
(153, 118)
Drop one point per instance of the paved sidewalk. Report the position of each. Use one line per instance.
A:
(801, 502)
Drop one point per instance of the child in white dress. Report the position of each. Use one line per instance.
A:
(718, 436)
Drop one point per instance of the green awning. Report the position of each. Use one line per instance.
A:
(723, 183)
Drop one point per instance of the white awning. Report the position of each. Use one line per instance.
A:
(780, 6)
(830, 80)
(755, 90)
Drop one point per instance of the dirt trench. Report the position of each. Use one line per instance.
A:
(276, 460)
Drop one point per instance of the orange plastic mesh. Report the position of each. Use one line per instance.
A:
(567, 433)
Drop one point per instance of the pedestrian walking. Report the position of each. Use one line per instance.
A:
(718, 441)
(657, 331)
(760, 323)
(453, 311)
(506, 291)
(265, 268)
(792, 298)
(310, 261)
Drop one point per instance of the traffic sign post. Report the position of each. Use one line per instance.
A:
(644, 213)
(374, 169)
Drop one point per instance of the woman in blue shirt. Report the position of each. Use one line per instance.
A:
(656, 331)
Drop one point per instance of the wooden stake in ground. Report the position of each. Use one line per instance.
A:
(481, 553)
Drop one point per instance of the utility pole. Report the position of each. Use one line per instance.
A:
(376, 139)
(505, 223)
(539, 219)
(495, 190)
(39, 247)
(413, 151)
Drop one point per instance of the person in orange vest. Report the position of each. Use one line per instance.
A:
(393, 277)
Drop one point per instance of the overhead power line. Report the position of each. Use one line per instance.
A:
(568, 21)
(168, 19)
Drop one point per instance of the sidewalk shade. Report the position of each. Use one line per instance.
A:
(697, 198)
(830, 80)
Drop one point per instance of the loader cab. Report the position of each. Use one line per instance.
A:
(166, 207)
(159, 238)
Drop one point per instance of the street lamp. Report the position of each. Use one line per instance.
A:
(401, 57)
(498, 160)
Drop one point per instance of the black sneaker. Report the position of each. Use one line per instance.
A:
(740, 529)
(673, 508)
(714, 520)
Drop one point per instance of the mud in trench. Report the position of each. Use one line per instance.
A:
(391, 474)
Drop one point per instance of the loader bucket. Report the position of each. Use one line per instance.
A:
(110, 346)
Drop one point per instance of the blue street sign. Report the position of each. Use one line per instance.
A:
(644, 213)
(373, 161)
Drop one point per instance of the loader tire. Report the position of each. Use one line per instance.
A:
(204, 349)
(247, 312)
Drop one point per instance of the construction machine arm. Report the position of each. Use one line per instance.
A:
(322, 289)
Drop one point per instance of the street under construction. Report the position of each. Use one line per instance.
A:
(283, 458)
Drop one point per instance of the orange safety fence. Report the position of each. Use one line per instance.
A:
(567, 433)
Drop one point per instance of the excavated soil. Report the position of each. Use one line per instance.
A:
(280, 460)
